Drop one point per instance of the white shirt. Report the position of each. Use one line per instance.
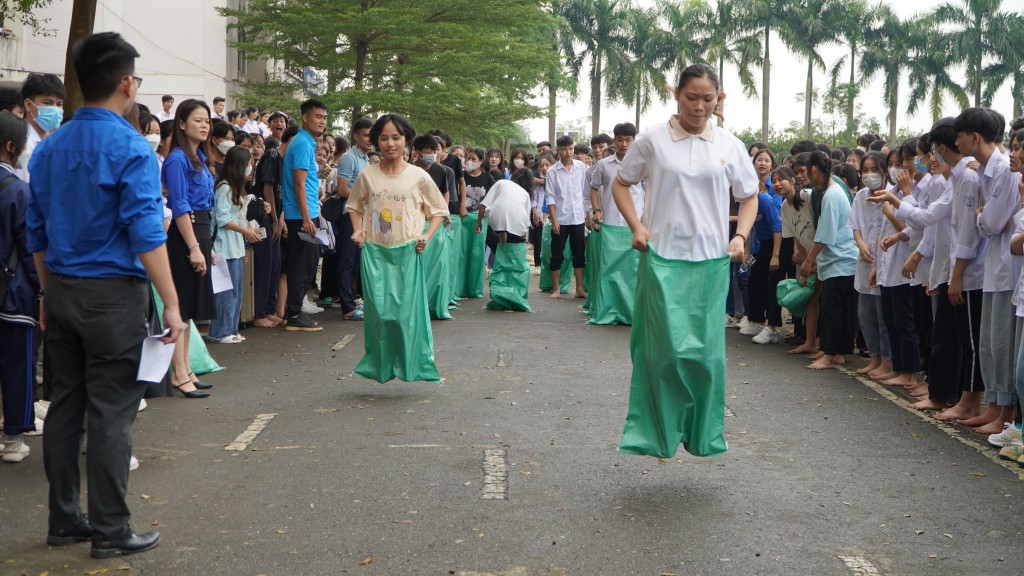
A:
(251, 127)
(687, 180)
(508, 208)
(889, 263)
(165, 116)
(966, 242)
(1002, 202)
(866, 217)
(922, 189)
(602, 178)
(31, 141)
(264, 130)
(1018, 221)
(935, 219)
(799, 224)
(564, 189)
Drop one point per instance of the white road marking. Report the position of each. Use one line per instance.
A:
(250, 434)
(344, 342)
(859, 565)
(495, 475)
(415, 446)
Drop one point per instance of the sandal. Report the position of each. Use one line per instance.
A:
(354, 315)
(199, 383)
(190, 393)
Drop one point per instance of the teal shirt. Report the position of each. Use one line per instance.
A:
(228, 242)
(301, 155)
(839, 257)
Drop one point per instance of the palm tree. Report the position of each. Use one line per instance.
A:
(975, 36)
(639, 80)
(858, 18)
(1010, 65)
(928, 70)
(557, 78)
(599, 26)
(766, 16)
(814, 21)
(888, 47)
(732, 41)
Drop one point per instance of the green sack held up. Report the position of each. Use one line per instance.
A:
(470, 282)
(396, 328)
(455, 237)
(565, 279)
(592, 271)
(793, 297)
(677, 394)
(199, 358)
(614, 289)
(510, 279)
(437, 262)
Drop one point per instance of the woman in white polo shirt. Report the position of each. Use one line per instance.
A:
(678, 345)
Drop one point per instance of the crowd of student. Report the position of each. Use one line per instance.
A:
(916, 250)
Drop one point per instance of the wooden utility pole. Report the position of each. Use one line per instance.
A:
(83, 18)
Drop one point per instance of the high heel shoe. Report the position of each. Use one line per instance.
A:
(199, 383)
(190, 393)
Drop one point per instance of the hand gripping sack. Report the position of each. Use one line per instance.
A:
(614, 285)
(565, 279)
(470, 283)
(677, 394)
(793, 297)
(455, 239)
(437, 273)
(396, 328)
(510, 279)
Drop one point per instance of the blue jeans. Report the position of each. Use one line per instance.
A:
(228, 304)
(872, 325)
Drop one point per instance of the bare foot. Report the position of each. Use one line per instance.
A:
(839, 359)
(823, 363)
(904, 380)
(872, 365)
(921, 391)
(554, 294)
(994, 427)
(816, 355)
(264, 322)
(928, 404)
(803, 349)
(879, 375)
(987, 417)
(582, 295)
(957, 413)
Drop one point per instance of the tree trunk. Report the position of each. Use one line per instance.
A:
(83, 17)
(359, 74)
(766, 72)
(721, 86)
(893, 105)
(808, 99)
(595, 95)
(552, 107)
(639, 103)
(849, 88)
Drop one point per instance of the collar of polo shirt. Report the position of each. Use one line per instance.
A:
(676, 130)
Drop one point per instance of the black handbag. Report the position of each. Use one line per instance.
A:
(333, 208)
(7, 274)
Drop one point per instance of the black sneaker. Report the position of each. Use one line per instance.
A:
(302, 323)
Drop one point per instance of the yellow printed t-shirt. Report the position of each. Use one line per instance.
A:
(395, 208)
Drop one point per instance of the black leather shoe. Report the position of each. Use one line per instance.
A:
(81, 532)
(130, 543)
(202, 385)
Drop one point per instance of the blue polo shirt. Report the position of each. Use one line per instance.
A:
(96, 201)
(351, 164)
(301, 155)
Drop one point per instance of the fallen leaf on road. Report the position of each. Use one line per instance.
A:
(467, 483)
(933, 555)
(948, 535)
(326, 410)
(366, 561)
(146, 496)
(281, 531)
(977, 474)
(154, 523)
(95, 572)
(661, 460)
(648, 471)
(918, 532)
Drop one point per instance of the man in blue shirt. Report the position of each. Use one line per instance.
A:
(349, 167)
(301, 202)
(95, 225)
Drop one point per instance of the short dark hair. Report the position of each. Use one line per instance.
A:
(543, 143)
(601, 139)
(289, 133)
(624, 129)
(524, 178)
(361, 124)
(858, 153)
(102, 61)
(848, 174)
(564, 141)
(398, 121)
(10, 98)
(165, 97)
(837, 154)
(445, 138)
(757, 146)
(219, 128)
(697, 71)
(580, 149)
(241, 137)
(943, 133)
(802, 159)
(980, 122)
(42, 85)
(877, 145)
(218, 99)
(341, 144)
(13, 130)
(425, 142)
(865, 140)
(909, 148)
(310, 105)
(273, 117)
(801, 146)
(373, 153)
(823, 148)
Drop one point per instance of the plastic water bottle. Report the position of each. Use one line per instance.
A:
(747, 263)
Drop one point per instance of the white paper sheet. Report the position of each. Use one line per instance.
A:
(156, 358)
(220, 275)
(320, 238)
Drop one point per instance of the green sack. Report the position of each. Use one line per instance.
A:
(470, 282)
(565, 280)
(396, 328)
(455, 237)
(793, 297)
(437, 269)
(614, 289)
(592, 270)
(510, 279)
(199, 358)
(677, 394)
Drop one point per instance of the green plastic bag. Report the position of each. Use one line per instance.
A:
(470, 282)
(437, 262)
(565, 280)
(199, 358)
(677, 394)
(455, 237)
(396, 328)
(614, 289)
(592, 271)
(793, 297)
(510, 279)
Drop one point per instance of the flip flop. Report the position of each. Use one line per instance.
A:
(355, 315)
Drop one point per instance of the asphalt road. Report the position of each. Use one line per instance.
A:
(510, 468)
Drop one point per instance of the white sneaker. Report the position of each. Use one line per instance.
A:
(133, 464)
(15, 451)
(310, 308)
(730, 322)
(751, 329)
(142, 405)
(39, 428)
(743, 323)
(41, 407)
(1010, 436)
(768, 335)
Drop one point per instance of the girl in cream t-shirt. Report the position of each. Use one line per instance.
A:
(395, 207)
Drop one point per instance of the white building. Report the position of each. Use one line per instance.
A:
(182, 43)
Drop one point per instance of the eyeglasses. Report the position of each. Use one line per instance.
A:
(138, 80)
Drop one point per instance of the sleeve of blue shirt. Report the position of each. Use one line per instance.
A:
(175, 176)
(347, 169)
(832, 217)
(774, 214)
(141, 208)
(37, 240)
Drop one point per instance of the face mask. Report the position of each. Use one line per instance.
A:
(938, 157)
(894, 174)
(49, 117)
(872, 181)
(248, 170)
(473, 166)
(918, 166)
(225, 146)
(154, 141)
(518, 162)
(429, 158)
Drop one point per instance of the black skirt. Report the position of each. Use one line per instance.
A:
(195, 291)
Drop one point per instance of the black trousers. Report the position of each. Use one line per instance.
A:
(576, 235)
(17, 376)
(492, 239)
(348, 265)
(536, 236)
(923, 320)
(968, 325)
(944, 368)
(837, 315)
(301, 271)
(266, 272)
(94, 334)
(764, 305)
(898, 315)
